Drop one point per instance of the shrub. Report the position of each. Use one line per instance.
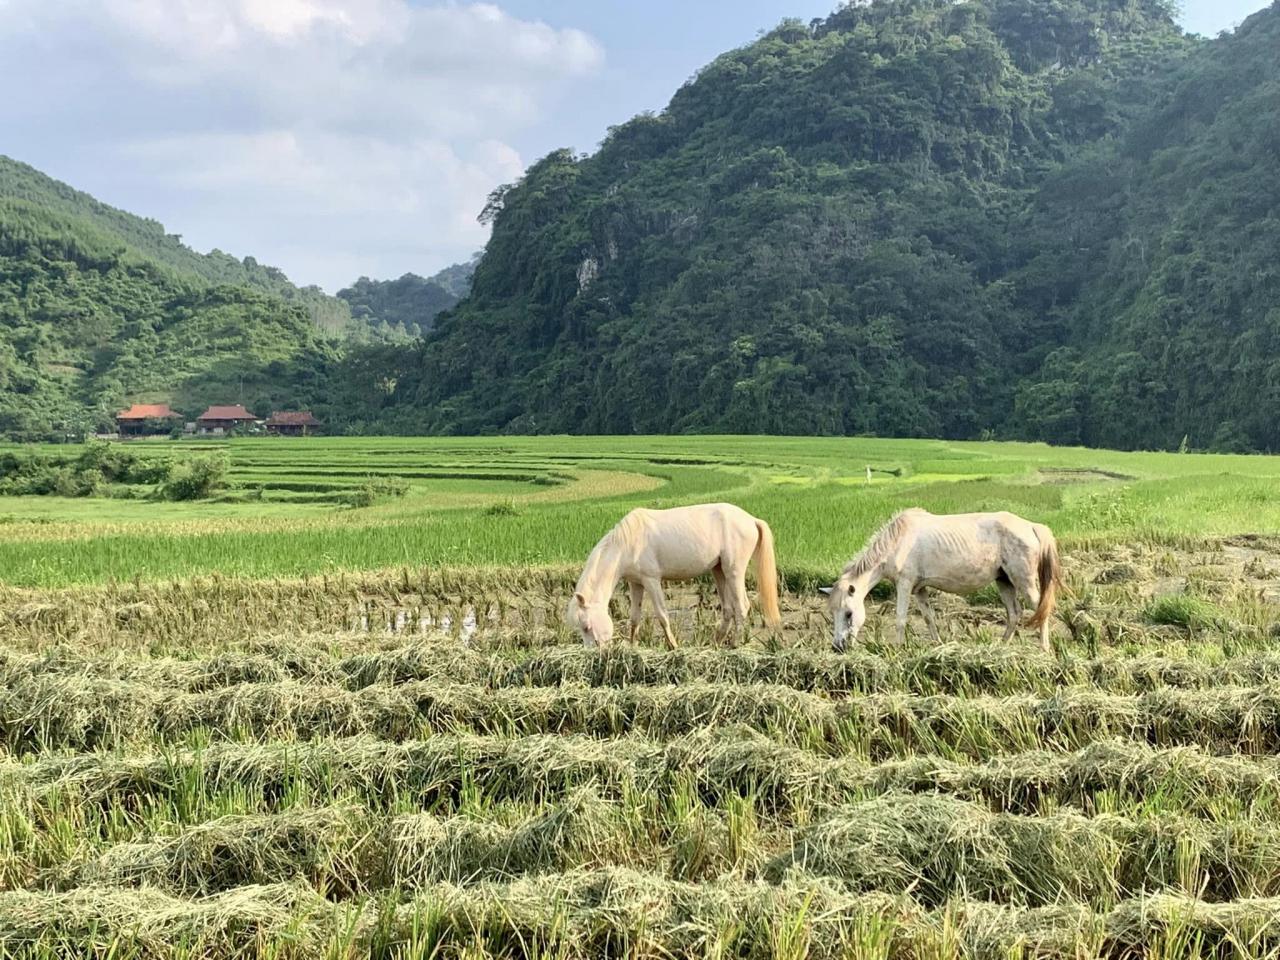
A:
(117, 464)
(377, 489)
(86, 475)
(197, 480)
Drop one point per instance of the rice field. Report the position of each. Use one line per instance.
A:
(520, 502)
(275, 725)
(424, 764)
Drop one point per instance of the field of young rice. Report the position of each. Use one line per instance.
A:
(423, 764)
(323, 506)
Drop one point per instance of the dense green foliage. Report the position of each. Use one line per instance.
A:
(916, 217)
(1040, 219)
(456, 278)
(87, 473)
(147, 239)
(1155, 265)
(397, 309)
(402, 309)
(99, 309)
(196, 479)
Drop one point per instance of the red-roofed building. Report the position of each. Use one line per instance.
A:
(292, 423)
(145, 418)
(222, 419)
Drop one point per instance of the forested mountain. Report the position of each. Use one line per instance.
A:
(1040, 218)
(1046, 219)
(1157, 265)
(405, 308)
(456, 279)
(147, 239)
(99, 308)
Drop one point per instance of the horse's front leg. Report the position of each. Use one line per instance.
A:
(637, 607)
(905, 589)
(653, 587)
(922, 598)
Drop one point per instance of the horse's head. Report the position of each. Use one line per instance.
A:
(848, 611)
(591, 619)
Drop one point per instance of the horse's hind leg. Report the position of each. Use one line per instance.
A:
(653, 587)
(905, 590)
(1033, 597)
(722, 590)
(637, 607)
(922, 598)
(736, 588)
(1013, 615)
(1031, 587)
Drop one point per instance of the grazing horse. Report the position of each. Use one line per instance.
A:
(959, 553)
(649, 546)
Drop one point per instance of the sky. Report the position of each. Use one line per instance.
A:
(345, 138)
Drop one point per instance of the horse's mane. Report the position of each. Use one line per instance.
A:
(880, 543)
(620, 538)
(627, 530)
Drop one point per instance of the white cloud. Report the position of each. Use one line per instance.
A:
(362, 121)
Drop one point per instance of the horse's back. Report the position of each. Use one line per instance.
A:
(704, 517)
(999, 523)
(688, 541)
(963, 551)
(727, 510)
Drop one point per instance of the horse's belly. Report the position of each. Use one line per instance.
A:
(961, 575)
(682, 564)
(960, 582)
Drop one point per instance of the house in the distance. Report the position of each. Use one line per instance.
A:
(145, 419)
(291, 423)
(223, 419)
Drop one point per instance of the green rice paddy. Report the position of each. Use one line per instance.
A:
(544, 502)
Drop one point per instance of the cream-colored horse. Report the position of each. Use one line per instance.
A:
(959, 553)
(649, 546)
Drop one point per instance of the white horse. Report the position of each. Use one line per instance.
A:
(649, 546)
(959, 553)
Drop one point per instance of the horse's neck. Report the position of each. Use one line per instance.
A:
(864, 582)
(601, 572)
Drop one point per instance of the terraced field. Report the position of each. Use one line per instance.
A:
(276, 724)
(424, 765)
(293, 507)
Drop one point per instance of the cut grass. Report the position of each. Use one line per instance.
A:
(437, 773)
(618, 912)
(330, 766)
(60, 712)
(1183, 611)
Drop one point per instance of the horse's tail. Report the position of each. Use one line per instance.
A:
(1050, 575)
(767, 575)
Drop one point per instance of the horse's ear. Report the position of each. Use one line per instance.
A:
(581, 600)
(825, 591)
